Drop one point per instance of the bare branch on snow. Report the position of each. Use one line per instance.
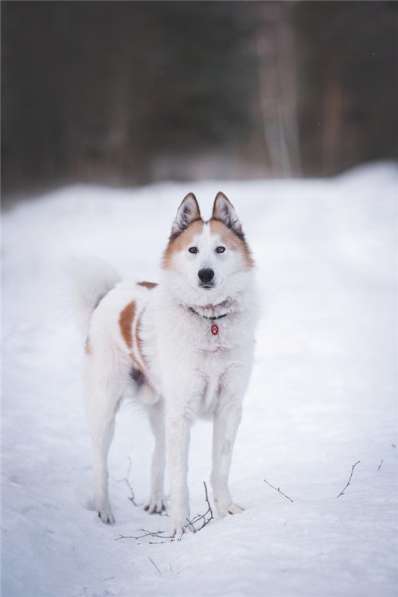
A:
(202, 519)
(349, 479)
(155, 566)
(278, 490)
(195, 524)
(153, 534)
(127, 481)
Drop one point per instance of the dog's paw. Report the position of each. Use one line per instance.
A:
(155, 506)
(179, 522)
(177, 533)
(235, 508)
(231, 508)
(106, 515)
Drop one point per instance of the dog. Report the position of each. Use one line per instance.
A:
(185, 347)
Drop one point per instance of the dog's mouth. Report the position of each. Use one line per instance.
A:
(206, 286)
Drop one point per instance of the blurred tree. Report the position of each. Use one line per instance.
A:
(130, 92)
(277, 88)
(348, 84)
(102, 90)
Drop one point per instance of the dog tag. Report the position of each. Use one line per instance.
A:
(214, 329)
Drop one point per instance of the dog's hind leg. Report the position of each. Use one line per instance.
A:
(103, 397)
(155, 504)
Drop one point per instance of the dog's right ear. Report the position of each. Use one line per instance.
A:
(187, 213)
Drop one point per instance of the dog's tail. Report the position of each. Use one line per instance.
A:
(90, 280)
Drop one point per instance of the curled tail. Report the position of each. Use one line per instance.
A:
(91, 279)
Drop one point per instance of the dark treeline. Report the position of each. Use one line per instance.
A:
(131, 92)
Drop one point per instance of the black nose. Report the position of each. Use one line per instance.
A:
(206, 275)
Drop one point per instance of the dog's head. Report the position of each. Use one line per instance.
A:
(206, 262)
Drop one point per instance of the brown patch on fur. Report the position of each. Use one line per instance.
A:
(232, 240)
(148, 285)
(181, 242)
(139, 340)
(87, 346)
(126, 322)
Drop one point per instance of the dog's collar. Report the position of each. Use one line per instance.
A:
(202, 312)
(210, 318)
(214, 329)
(212, 312)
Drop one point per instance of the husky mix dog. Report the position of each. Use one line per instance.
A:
(185, 345)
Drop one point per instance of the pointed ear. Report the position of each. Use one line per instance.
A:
(224, 211)
(187, 213)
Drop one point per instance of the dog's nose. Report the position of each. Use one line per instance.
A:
(206, 275)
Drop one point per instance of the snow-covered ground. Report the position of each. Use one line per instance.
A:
(323, 396)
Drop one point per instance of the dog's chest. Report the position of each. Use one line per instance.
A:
(214, 376)
(196, 356)
(209, 363)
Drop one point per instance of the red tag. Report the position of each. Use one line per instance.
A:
(214, 329)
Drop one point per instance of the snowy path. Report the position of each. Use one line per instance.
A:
(323, 396)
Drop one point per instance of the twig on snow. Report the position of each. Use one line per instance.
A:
(380, 465)
(204, 518)
(278, 490)
(155, 566)
(127, 481)
(145, 533)
(192, 524)
(349, 479)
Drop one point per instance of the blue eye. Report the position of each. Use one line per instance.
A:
(220, 249)
(193, 250)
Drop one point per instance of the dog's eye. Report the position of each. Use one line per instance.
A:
(220, 249)
(193, 250)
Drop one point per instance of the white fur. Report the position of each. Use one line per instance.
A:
(191, 373)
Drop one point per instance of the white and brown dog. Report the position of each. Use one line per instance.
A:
(185, 346)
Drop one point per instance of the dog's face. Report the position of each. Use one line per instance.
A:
(206, 262)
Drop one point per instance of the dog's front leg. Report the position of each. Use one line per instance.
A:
(177, 442)
(225, 426)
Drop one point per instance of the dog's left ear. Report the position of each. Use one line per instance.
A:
(224, 211)
(187, 213)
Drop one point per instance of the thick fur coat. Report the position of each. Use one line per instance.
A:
(185, 346)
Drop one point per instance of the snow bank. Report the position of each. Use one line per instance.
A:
(323, 396)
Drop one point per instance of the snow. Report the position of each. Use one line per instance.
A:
(322, 396)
